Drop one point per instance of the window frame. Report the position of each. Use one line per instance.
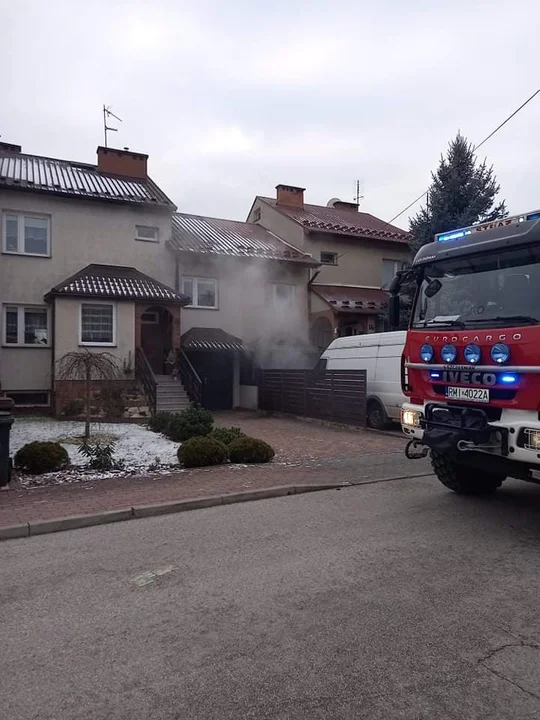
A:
(92, 343)
(398, 265)
(195, 295)
(328, 252)
(46, 393)
(138, 238)
(277, 300)
(21, 309)
(21, 216)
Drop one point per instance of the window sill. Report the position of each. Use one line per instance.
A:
(23, 254)
(200, 307)
(19, 346)
(97, 344)
(137, 239)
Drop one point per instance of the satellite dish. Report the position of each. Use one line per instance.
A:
(332, 202)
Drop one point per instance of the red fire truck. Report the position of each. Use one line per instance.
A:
(471, 362)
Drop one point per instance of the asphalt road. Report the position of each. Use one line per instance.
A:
(392, 600)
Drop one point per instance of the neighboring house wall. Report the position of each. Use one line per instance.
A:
(279, 224)
(359, 261)
(81, 232)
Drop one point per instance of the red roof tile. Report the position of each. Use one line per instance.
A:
(342, 222)
(352, 299)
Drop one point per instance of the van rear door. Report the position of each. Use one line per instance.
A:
(387, 385)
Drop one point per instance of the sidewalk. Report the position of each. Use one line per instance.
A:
(23, 506)
(307, 455)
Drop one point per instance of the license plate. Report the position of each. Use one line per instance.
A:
(480, 395)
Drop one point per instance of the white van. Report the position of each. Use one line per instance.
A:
(379, 354)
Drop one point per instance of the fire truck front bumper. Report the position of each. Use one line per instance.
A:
(515, 436)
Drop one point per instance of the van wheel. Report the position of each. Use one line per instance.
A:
(464, 480)
(376, 416)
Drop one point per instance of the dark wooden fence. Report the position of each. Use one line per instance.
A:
(333, 395)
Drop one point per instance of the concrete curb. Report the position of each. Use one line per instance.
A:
(42, 527)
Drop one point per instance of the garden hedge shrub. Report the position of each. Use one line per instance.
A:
(73, 408)
(192, 422)
(41, 457)
(250, 450)
(227, 435)
(201, 452)
(160, 422)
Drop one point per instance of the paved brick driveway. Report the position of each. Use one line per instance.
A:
(303, 440)
(306, 453)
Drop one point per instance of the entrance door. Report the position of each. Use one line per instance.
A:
(156, 337)
(216, 372)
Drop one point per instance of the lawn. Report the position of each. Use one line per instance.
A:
(135, 445)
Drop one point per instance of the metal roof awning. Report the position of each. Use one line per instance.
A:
(20, 171)
(215, 236)
(210, 339)
(118, 283)
(351, 300)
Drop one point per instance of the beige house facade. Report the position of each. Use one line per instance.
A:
(94, 257)
(358, 253)
(59, 218)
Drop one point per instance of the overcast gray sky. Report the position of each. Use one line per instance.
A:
(231, 98)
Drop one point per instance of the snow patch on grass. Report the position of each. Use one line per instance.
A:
(135, 445)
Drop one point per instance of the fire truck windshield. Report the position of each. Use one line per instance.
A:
(501, 289)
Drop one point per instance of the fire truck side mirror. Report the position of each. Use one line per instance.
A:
(393, 311)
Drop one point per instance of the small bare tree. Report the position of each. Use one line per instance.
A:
(87, 366)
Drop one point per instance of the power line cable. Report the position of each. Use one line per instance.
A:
(476, 147)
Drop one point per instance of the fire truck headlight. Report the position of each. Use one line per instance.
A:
(529, 438)
(426, 353)
(500, 353)
(449, 353)
(472, 354)
(410, 418)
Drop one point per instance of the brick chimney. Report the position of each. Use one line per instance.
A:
(290, 195)
(122, 162)
(10, 148)
(349, 206)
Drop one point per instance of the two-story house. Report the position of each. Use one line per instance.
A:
(83, 264)
(359, 255)
(249, 306)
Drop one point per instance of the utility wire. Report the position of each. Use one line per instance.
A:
(476, 147)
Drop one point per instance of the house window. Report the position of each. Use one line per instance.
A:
(26, 235)
(146, 233)
(151, 317)
(26, 326)
(329, 258)
(29, 398)
(256, 215)
(389, 270)
(284, 294)
(97, 324)
(202, 292)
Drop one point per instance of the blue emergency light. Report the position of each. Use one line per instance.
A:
(482, 227)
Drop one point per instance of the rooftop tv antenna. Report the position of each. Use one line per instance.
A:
(107, 113)
(359, 194)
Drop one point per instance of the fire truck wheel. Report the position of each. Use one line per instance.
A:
(376, 416)
(464, 480)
